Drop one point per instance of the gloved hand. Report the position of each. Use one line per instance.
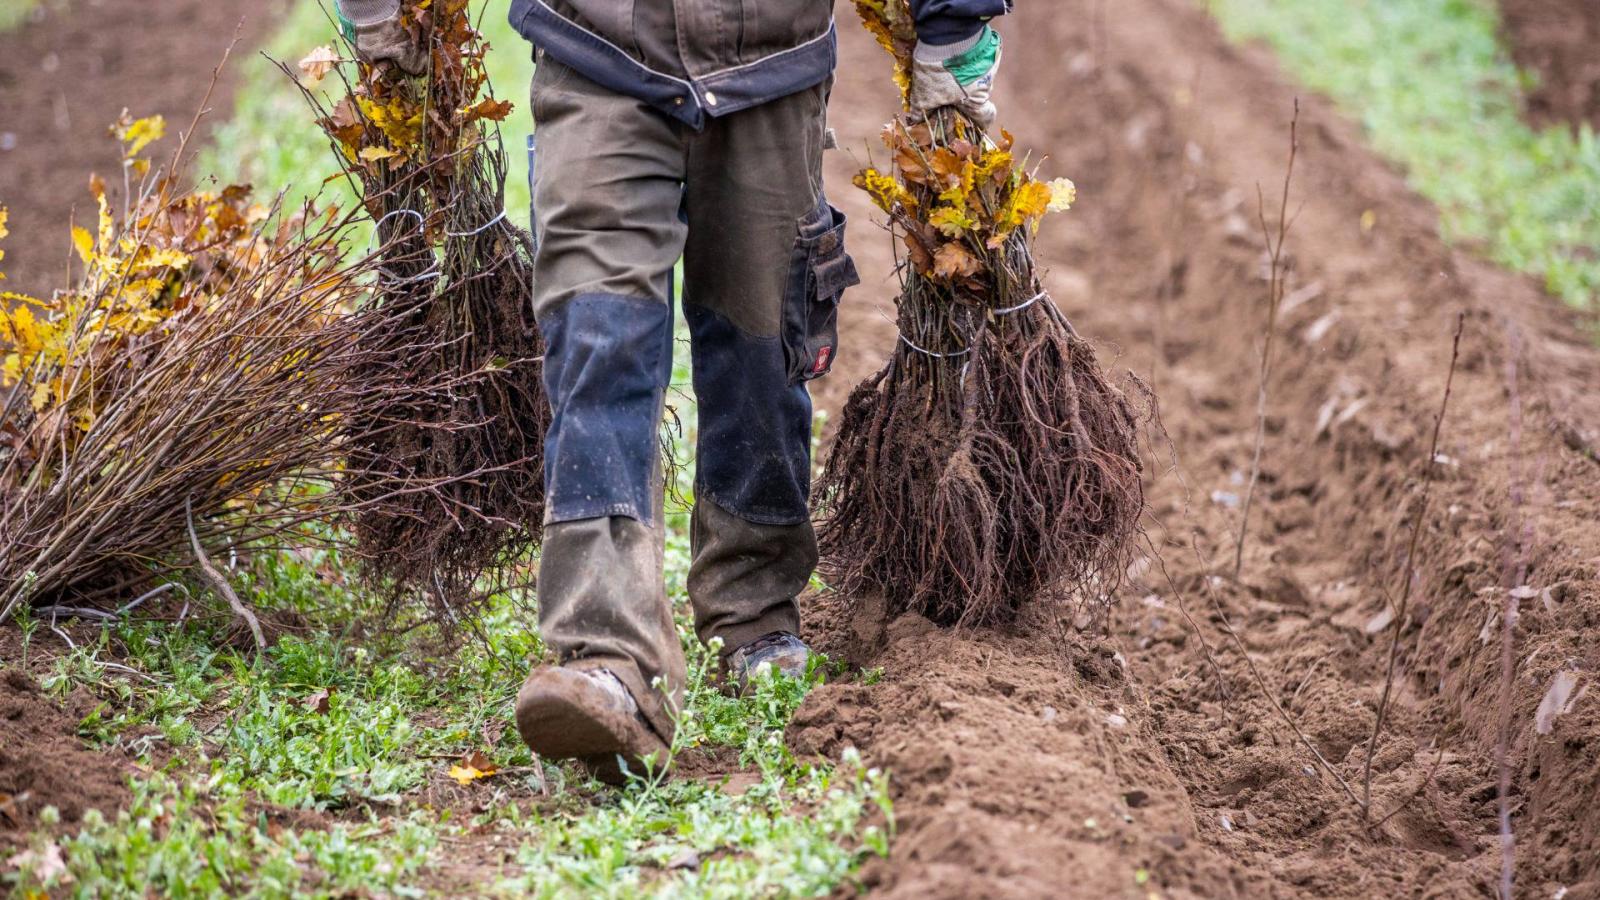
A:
(959, 75)
(374, 27)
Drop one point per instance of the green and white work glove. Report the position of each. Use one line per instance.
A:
(374, 27)
(959, 75)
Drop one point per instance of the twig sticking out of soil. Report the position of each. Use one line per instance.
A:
(1277, 280)
(1266, 690)
(1514, 578)
(1408, 573)
(219, 582)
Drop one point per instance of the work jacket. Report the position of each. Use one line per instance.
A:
(697, 58)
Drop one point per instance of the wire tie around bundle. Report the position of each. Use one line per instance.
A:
(1020, 306)
(931, 353)
(481, 229)
(431, 272)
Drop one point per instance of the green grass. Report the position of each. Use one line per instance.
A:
(236, 740)
(1438, 94)
(15, 12)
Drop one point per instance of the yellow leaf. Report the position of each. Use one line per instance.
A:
(952, 221)
(138, 134)
(107, 224)
(373, 154)
(884, 190)
(1063, 193)
(1027, 203)
(168, 258)
(4, 214)
(476, 765)
(41, 396)
(316, 66)
(24, 330)
(84, 242)
(994, 162)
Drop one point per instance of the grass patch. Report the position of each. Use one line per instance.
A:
(1439, 94)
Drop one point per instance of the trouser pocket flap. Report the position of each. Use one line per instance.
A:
(819, 273)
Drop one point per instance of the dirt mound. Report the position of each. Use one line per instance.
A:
(1557, 40)
(1168, 130)
(1022, 762)
(63, 81)
(44, 763)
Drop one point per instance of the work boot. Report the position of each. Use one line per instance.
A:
(780, 652)
(587, 715)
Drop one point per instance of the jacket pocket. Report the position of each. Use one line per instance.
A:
(819, 272)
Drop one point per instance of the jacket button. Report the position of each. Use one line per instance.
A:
(829, 243)
(677, 101)
(711, 99)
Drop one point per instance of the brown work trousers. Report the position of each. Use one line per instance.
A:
(621, 192)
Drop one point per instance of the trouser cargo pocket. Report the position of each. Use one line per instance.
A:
(819, 272)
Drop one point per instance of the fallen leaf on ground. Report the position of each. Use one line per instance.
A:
(318, 702)
(474, 766)
(492, 731)
(1557, 701)
(46, 864)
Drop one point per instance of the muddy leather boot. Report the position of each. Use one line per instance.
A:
(588, 715)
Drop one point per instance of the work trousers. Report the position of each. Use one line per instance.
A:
(621, 192)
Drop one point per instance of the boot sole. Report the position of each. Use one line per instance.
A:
(561, 714)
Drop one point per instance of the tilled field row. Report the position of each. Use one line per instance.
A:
(1032, 762)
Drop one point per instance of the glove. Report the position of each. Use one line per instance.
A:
(374, 27)
(959, 75)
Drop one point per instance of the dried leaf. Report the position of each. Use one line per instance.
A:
(492, 731)
(374, 154)
(476, 765)
(46, 864)
(918, 250)
(954, 261)
(952, 222)
(491, 110)
(316, 66)
(318, 702)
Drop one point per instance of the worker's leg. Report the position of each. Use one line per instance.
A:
(764, 268)
(607, 195)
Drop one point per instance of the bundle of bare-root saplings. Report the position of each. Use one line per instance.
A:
(189, 394)
(426, 157)
(991, 461)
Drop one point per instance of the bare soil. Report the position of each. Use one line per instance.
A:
(1029, 762)
(1557, 39)
(44, 763)
(1035, 762)
(64, 79)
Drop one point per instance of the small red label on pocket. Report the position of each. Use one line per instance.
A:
(823, 355)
